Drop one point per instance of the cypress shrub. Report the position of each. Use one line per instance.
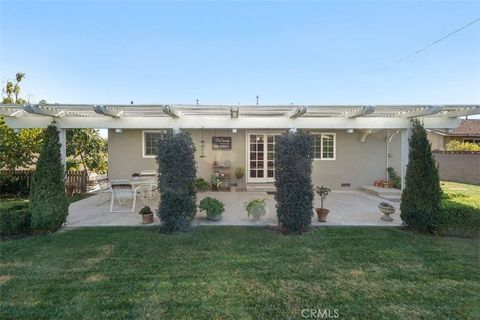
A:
(48, 201)
(177, 168)
(422, 194)
(293, 180)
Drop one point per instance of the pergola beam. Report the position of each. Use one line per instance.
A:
(467, 111)
(107, 111)
(296, 112)
(171, 111)
(421, 112)
(358, 112)
(44, 111)
(7, 112)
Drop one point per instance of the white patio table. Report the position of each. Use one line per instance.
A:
(146, 185)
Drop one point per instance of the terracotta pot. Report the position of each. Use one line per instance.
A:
(147, 218)
(322, 214)
(385, 184)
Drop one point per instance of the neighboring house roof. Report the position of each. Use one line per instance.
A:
(468, 128)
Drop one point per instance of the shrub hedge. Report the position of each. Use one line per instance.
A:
(293, 181)
(176, 182)
(15, 219)
(48, 200)
(457, 219)
(422, 194)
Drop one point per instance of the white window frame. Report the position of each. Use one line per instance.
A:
(146, 156)
(321, 134)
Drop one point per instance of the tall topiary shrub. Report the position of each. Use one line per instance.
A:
(422, 194)
(293, 180)
(48, 201)
(177, 168)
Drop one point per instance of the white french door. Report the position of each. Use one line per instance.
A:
(261, 157)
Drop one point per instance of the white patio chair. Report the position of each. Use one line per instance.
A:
(153, 186)
(123, 191)
(104, 185)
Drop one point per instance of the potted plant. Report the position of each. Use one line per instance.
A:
(322, 192)
(70, 189)
(387, 210)
(217, 183)
(239, 174)
(255, 208)
(213, 207)
(147, 215)
(201, 185)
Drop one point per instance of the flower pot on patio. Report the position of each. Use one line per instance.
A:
(322, 214)
(255, 208)
(387, 210)
(213, 208)
(147, 215)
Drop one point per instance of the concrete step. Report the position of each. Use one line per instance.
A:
(391, 198)
(260, 188)
(385, 193)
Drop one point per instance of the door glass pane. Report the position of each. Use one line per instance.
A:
(260, 173)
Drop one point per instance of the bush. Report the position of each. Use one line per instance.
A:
(456, 145)
(177, 168)
(13, 185)
(293, 172)
(201, 185)
(422, 194)
(394, 177)
(456, 219)
(48, 201)
(15, 219)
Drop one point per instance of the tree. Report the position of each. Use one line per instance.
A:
(88, 148)
(48, 201)
(293, 181)
(17, 149)
(177, 168)
(422, 194)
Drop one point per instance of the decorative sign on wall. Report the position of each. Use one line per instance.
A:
(221, 143)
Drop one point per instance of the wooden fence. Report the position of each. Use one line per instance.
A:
(24, 177)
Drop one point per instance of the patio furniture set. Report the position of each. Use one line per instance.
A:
(125, 190)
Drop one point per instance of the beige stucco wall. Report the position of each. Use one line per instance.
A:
(461, 167)
(125, 155)
(437, 141)
(356, 163)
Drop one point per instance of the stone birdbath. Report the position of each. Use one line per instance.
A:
(387, 210)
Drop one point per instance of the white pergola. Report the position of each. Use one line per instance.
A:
(365, 119)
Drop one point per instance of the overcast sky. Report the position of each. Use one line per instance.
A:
(228, 52)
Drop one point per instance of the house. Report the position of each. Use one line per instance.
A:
(353, 145)
(468, 131)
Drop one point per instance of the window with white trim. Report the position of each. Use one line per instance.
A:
(150, 141)
(324, 146)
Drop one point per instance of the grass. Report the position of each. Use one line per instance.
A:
(76, 197)
(239, 273)
(468, 194)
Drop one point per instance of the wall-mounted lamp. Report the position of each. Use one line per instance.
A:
(350, 130)
(202, 145)
(234, 130)
(118, 130)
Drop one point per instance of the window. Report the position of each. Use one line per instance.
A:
(477, 141)
(324, 146)
(150, 140)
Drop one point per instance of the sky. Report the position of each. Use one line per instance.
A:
(230, 52)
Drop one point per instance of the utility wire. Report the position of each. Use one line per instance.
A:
(435, 42)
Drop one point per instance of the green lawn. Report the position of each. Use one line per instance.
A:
(239, 273)
(468, 194)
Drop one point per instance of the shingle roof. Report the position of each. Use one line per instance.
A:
(469, 127)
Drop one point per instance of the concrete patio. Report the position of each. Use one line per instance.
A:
(347, 208)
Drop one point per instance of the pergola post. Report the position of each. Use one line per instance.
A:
(405, 150)
(63, 146)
